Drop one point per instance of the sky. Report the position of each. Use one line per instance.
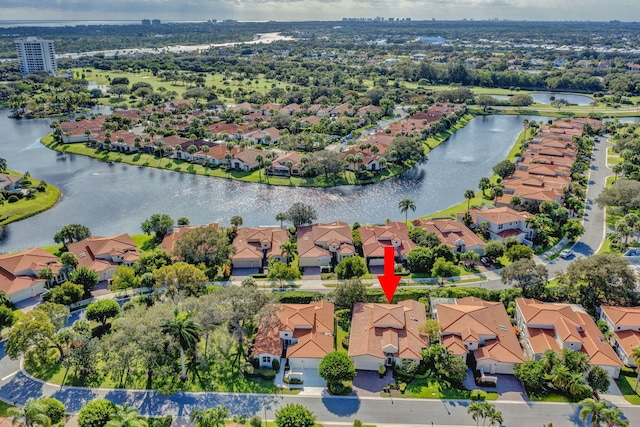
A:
(300, 10)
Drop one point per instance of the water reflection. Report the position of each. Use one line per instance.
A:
(116, 198)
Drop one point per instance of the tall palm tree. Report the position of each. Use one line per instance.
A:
(635, 355)
(477, 410)
(494, 416)
(289, 249)
(126, 416)
(186, 333)
(281, 216)
(469, 194)
(212, 417)
(31, 414)
(404, 206)
(592, 408)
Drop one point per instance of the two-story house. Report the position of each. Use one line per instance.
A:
(255, 247)
(19, 273)
(104, 254)
(454, 234)
(302, 333)
(548, 326)
(324, 245)
(482, 327)
(384, 334)
(376, 238)
(624, 324)
(503, 222)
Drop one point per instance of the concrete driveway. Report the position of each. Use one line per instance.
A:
(508, 387)
(243, 273)
(369, 383)
(311, 273)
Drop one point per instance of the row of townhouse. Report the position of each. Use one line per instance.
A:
(543, 173)
(325, 245)
(387, 334)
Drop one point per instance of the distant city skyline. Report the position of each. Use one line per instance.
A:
(301, 10)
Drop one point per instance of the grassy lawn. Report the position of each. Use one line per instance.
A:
(144, 242)
(256, 176)
(551, 397)
(233, 82)
(3, 409)
(626, 384)
(25, 208)
(219, 378)
(432, 388)
(53, 249)
(340, 335)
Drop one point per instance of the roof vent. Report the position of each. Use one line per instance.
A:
(414, 319)
(503, 328)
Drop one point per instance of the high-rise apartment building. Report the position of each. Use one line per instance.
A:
(36, 54)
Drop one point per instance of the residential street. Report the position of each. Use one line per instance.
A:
(16, 387)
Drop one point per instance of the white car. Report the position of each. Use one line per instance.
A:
(566, 253)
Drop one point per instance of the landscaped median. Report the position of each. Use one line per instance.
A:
(20, 208)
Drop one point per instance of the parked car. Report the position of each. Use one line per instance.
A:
(486, 261)
(566, 253)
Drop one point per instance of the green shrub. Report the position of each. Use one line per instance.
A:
(402, 387)
(13, 198)
(54, 409)
(275, 365)
(357, 423)
(255, 421)
(382, 370)
(160, 422)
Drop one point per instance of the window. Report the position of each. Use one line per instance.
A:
(266, 359)
(500, 227)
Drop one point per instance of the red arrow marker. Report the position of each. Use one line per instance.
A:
(389, 281)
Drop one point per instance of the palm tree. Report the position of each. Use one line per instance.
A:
(259, 159)
(236, 221)
(477, 410)
(613, 417)
(212, 417)
(485, 184)
(289, 249)
(186, 333)
(635, 355)
(592, 408)
(31, 414)
(126, 416)
(404, 206)
(469, 194)
(494, 416)
(281, 216)
(560, 376)
(622, 227)
(576, 361)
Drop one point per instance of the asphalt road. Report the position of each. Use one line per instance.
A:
(16, 387)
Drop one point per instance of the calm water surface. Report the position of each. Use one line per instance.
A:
(116, 198)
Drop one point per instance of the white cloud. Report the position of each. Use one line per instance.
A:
(596, 10)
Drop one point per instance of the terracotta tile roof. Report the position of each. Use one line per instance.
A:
(628, 340)
(451, 232)
(19, 271)
(628, 316)
(561, 323)
(375, 326)
(312, 324)
(170, 239)
(498, 216)
(313, 239)
(249, 243)
(376, 238)
(97, 253)
(455, 344)
(476, 320)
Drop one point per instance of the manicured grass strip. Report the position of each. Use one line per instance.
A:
(552, 397)
(256, 176)
(626, 385)
(432, 388)
(25, 208)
